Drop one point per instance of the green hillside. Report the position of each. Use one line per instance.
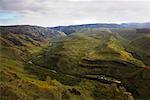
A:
(15, 51)
(92, 64)
(94, 52)
(131, 34)
(79, 48)
(141, 49)
(23, 80)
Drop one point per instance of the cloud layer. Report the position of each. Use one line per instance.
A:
(64, 12)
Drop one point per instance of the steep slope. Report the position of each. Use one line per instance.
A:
(137, 42)
(131, 34)
(26, 36)
(141, 49)
(30, 30)
(17, 43)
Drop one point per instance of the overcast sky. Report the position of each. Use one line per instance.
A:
(66, 12)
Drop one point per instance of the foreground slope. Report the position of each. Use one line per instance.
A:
(17, 43)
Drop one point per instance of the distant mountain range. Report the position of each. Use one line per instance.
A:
(72, 28)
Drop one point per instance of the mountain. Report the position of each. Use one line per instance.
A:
(73, 28)
(33, 31)
(38, 63)
(25, 35)
(136, 25)
(90, 53)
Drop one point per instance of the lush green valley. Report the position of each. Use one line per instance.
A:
(38, 63)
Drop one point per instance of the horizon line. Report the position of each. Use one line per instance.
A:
(75, 24)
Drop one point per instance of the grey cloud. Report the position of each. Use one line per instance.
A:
(62, 12)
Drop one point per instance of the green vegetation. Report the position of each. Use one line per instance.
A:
(140, 49)
(42, 67)
(86, 48)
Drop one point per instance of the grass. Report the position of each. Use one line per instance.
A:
(50, 70)
(66, 55)
(68, 52)
(140, 48)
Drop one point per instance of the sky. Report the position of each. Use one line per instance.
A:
(71, 12)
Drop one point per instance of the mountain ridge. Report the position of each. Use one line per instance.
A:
(72, 28)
